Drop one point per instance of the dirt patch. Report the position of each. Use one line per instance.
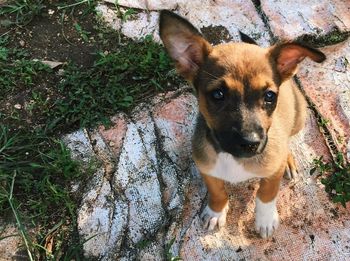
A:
(216, 34)
(69, 35)
(58, 35)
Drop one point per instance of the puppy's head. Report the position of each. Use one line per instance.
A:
(237, 83)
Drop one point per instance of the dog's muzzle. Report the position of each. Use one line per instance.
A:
(241, 145)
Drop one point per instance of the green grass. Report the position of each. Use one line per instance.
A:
(117, 81)
(36, 169)
(168, 254)
(335, 177)
(19, 70)
(36, 173)
(21, 12)
(330, 38)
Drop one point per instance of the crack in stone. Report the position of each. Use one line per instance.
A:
(124, 245)
(185, 228)
(306, 22)
(161, 154)
(325, 132)
(265, 19)
(162, 186)
(157, 169)
(331, 145)
(105, 157)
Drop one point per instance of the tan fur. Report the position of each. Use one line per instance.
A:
(217, 195)
(287, 120)
(291, 162)
(247, 73)
(269, 186)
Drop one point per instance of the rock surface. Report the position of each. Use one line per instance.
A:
(328, 86)
(154, 194)
(219, 21)
(291, 19)
(10, 244)
(147, 193)
(147, 4)
(156, 183)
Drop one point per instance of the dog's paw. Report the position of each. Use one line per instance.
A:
(266, 217)
(290, 173)
(212, 219)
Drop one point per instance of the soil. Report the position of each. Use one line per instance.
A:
(52, 36)
(216, 34)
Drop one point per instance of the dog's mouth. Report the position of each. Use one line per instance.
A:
(232, 143)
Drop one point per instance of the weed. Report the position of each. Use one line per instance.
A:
(83, 34)
(336, 178)
(143, 244)
(330, 38)
(23, 11)
(116, 82)
(90, 3)
(9, 196)
(122, 13)
(321, 166)
(168, 254)
(19, 70)
(128, 14)
(35, 178)
(322, 122)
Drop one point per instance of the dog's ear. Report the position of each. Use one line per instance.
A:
(183, 42)
(287, 56)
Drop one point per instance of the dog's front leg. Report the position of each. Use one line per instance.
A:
(266, 215)
(215, 212)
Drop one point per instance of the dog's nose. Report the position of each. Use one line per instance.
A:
(250, 141)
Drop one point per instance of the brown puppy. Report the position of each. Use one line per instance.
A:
(248, 110)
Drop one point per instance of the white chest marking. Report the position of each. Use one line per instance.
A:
(228, 169)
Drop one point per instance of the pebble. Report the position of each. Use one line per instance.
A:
(18, 106)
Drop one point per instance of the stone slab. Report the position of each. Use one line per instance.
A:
(309, 221)
(101, 218)
(146, 4)
(79, 144)
(290, 19)
(156, 186)
(328, 86)
(219, 20)
(10, 242)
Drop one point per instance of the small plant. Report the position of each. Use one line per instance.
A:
(36, 173)
(128, 14)
(335, 177)
(23, 11)
(19, 70)
(116, 82)
(322, 122)
(321, 40)
(168, 254)
(83, 34)
(90, 3)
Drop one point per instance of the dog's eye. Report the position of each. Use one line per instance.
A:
(217, 94)
(270, 97)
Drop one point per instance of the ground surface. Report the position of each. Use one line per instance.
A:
(147, 191)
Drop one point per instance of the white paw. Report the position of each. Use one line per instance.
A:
(212, 219)
(266, 217)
